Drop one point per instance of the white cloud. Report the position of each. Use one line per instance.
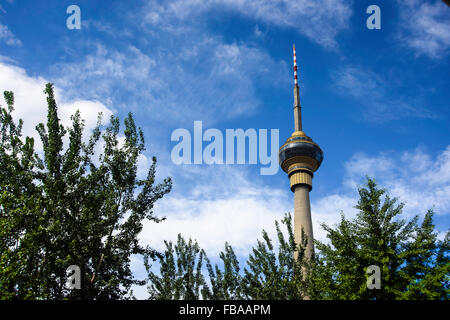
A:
(109, 70)
(222, 203)
(320, 21)
(425, 27)
(104, 26)
(8, 37)
(413, 176)
(361, 164)
(327, 210)
(212, 222)
(226, 203)
(30, 102)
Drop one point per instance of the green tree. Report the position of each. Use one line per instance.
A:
(226, 282)
(276, 275)
(180, 275)
(271, 273)
(19, 208)
(409, 256)
(427, 266)
(71, 208)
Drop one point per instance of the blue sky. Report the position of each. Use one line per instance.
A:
(376, 101)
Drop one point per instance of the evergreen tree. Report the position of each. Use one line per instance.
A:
(427, 266)
(71, 209)
(409, 256)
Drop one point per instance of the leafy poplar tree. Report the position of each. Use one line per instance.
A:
(70, 208)
(19, 208)
(270, 273)
(180, 275)
(226, 282)
(273, 273)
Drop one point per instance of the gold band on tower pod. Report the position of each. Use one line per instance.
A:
(300, 178)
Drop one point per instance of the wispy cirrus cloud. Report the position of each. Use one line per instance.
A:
(104, 71)
(380, 98)
(320, 21)
(8, 37)
(205, 77)
(424, 27)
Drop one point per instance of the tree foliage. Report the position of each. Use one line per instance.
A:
(272, 273)
(64, 206)
(181, 274)
(409, 255)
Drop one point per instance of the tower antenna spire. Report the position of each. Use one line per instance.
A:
(295, 68)
(297, 107)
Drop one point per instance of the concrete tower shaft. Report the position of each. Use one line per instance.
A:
(302, 218)
(300, 157)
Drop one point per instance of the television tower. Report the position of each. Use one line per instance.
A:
(300, 157)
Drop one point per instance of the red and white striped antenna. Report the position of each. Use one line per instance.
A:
(295, 69)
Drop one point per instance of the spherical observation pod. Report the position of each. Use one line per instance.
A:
(300, 157)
